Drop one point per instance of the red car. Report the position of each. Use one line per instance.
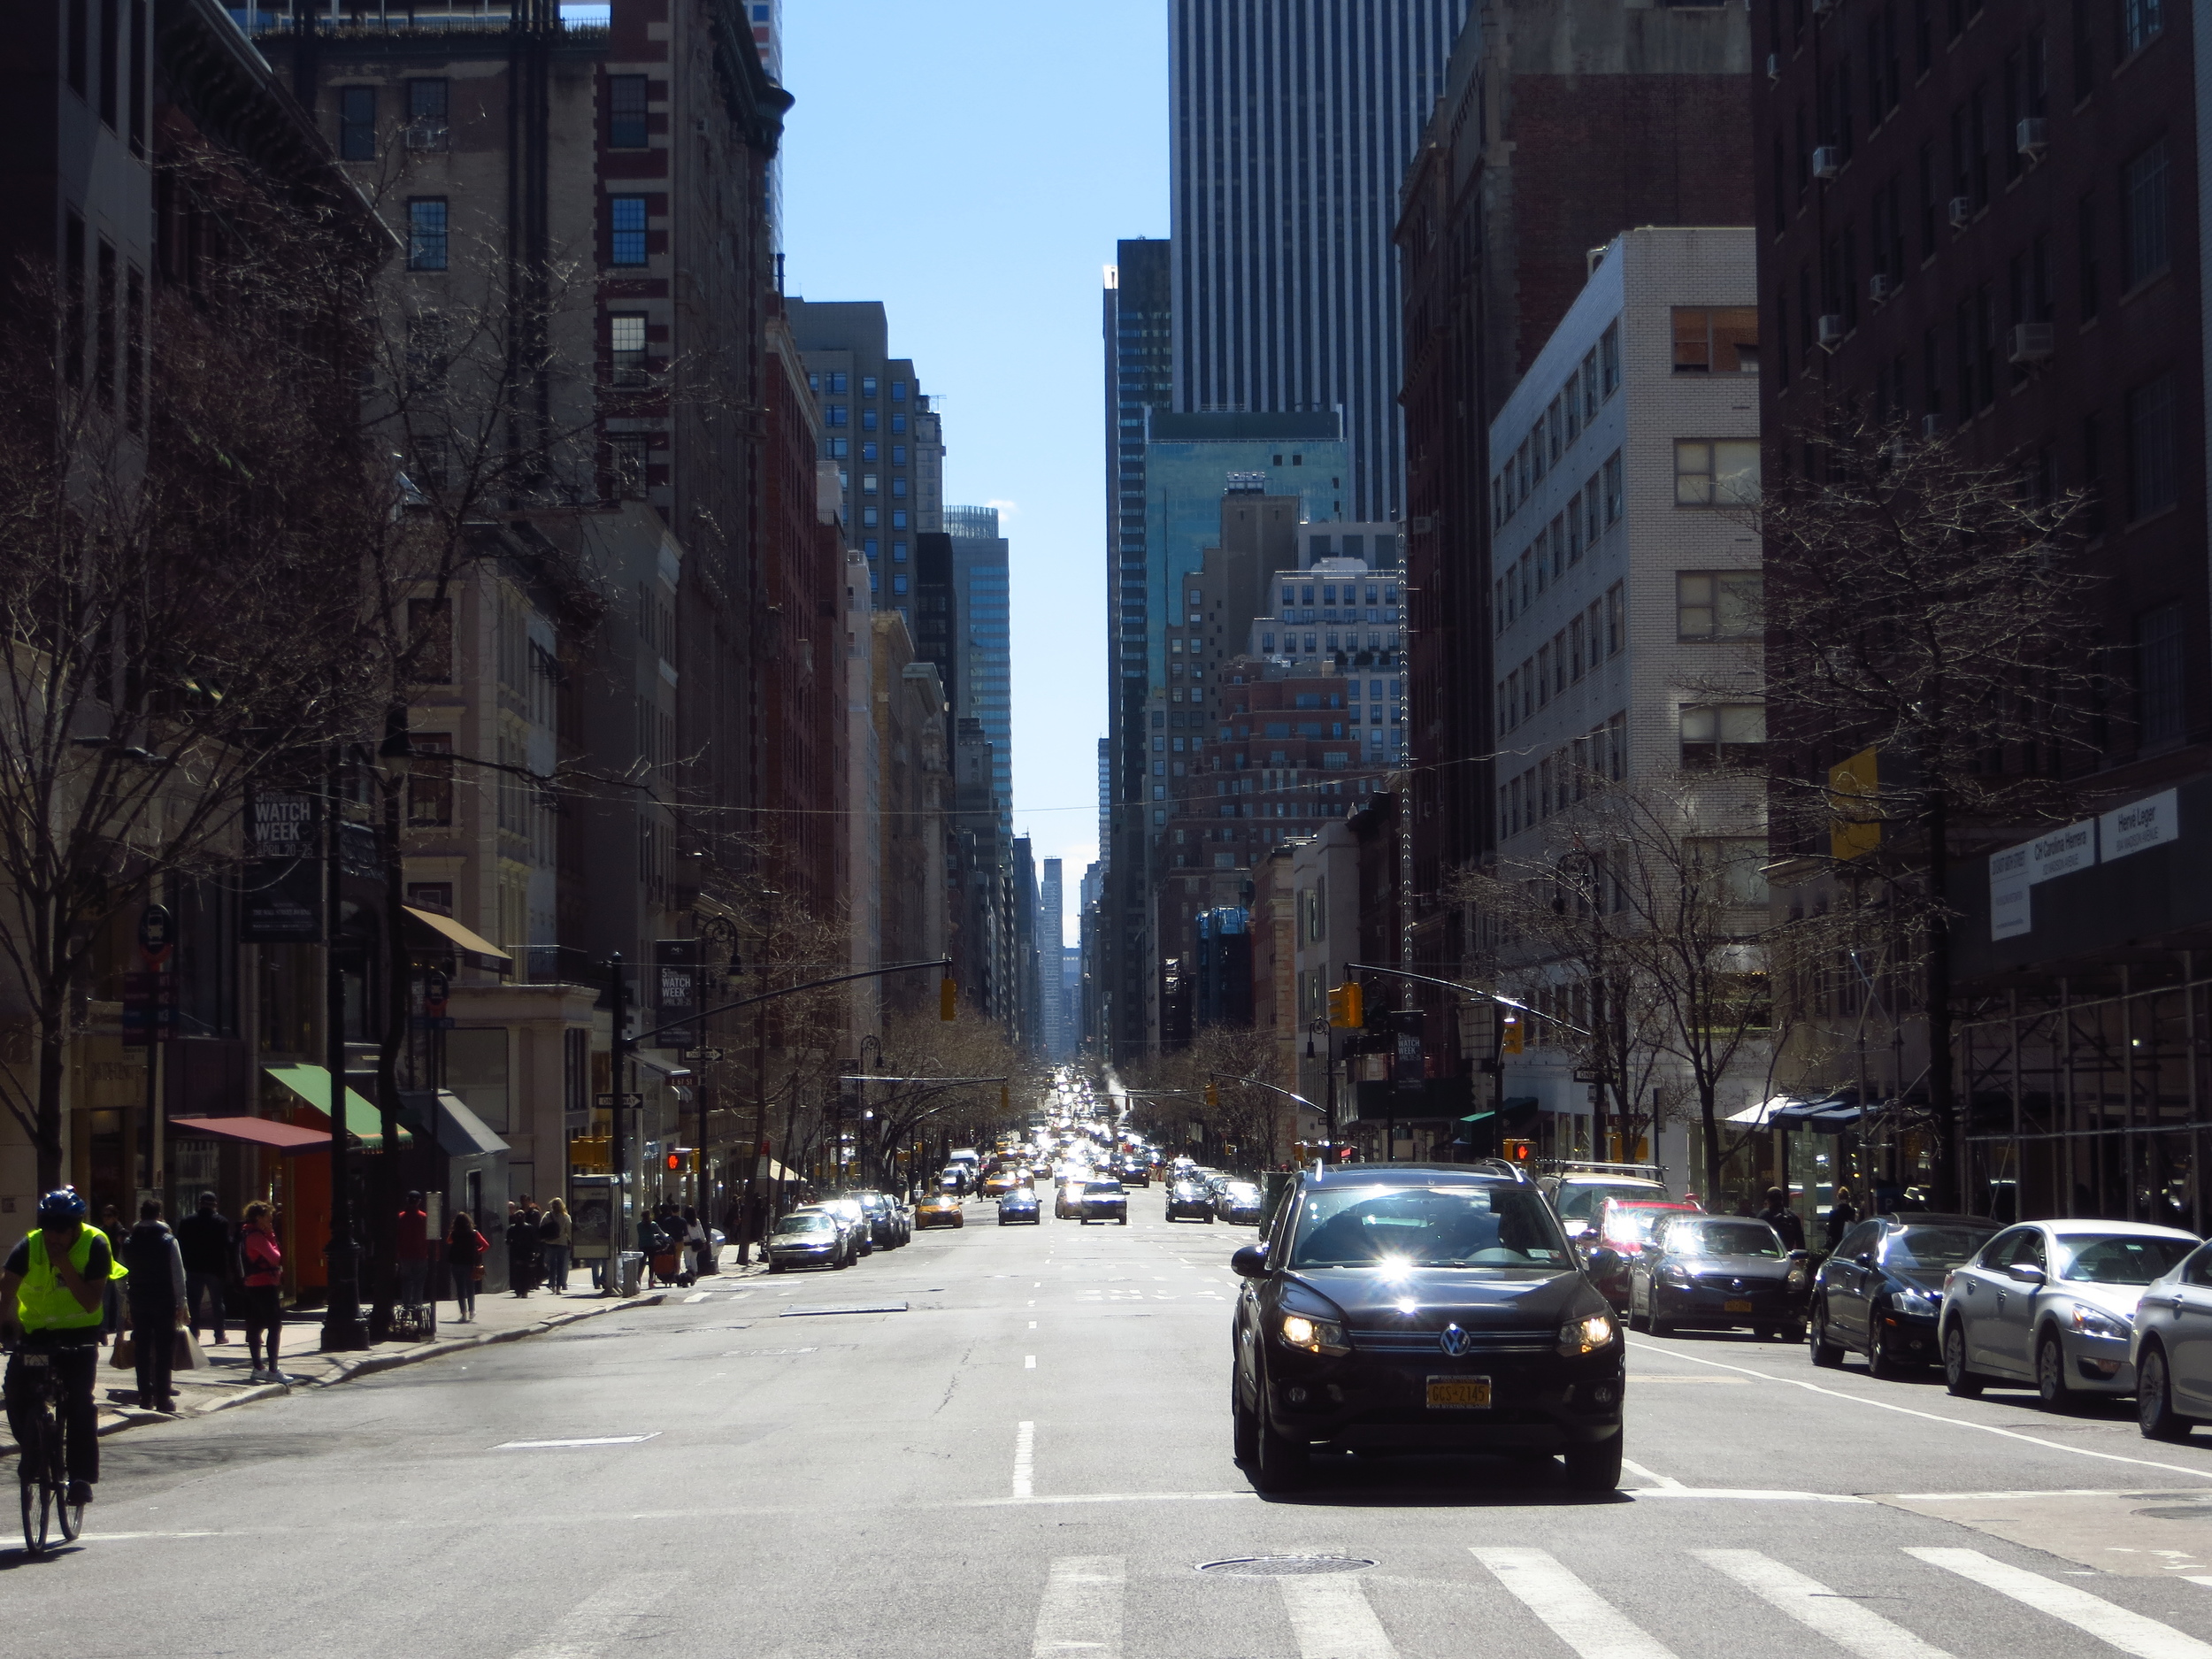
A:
(1625, 1226)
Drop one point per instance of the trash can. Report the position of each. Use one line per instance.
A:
(633, 1272)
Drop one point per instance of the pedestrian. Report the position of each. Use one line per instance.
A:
(261, 1262)
(652, 1243)
(464, 1251)
(158, 1307)
(1842, 1215)
(522, 1247)
(209, 1252)
(411, 1251)
(697, 1241)
(1783, 1219)
(557, 1234)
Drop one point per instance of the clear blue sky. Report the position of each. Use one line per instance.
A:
(971, 167)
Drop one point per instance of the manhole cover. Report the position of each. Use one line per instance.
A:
(2180, 1512)
(1282, 1566)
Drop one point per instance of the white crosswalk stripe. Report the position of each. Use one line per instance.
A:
(1331, 1620)
(608, 1620)
(1813, 1604)
(2118, 1626)
(1578, 1615)
(1082, 1610)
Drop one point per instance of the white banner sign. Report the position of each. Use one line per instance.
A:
(2147, 823)
(2009, 904)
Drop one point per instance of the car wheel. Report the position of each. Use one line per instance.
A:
(1125, 1221)
(2155, 1413)
(1209, 1221)
(1636, 1321)
(2050, 1374)
(1653, 1322)
(775, 1267)
(1595, 1468)
(1279, 1462)
(1881, 1362)
(1826, 1355)
(1244, 1423)
(1956, 1378)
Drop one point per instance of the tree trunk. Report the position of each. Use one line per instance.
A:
(53, 1059)
(1708, 1115)
(1942, 1096)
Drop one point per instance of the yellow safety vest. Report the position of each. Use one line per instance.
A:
(42, 1303)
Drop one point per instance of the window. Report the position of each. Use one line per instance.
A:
(625, 112)
(1715, 472)
(430, 629)
(1708, 341)
(837, 382)
(626, 337)
(867, 483)
(1589, 385)
(867, 385)
(356, 123)
(2153, 473)
(898, 391)
(429, 101)
(1609, 358)
(1716, 605)
(626, 222)
(426, 233)
(834, 415)
(626, 453)
(867, 420)
(1614, 485)
(898, 423)
(1726, 734)
(2145, 214)
(2159, 706)
(1616, 620)
(430, 785)
(2140, 23)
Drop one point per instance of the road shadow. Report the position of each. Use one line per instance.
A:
(1438, 1480)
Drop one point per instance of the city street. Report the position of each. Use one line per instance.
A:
(1034, 1458)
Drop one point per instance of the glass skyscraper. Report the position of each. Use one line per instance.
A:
(983, 688)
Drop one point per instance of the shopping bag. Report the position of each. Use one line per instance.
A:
(125, 1355)
(188, 1356)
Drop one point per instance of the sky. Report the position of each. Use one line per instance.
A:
(971, 168)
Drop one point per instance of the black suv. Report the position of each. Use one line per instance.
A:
(1423, 1308)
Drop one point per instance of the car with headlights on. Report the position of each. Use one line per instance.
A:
(1623, 1226)
(1188, 1197)
(887, 1226)
(806, 1239)
(940, 1209)
(856, 1214)
(2052, 1305)
(1019, 1207)
(1407, 1308)
(849, 1231)
(1714, 1272)
(1002, 1180)
(1879, 1290)
(1103, 1201)
(1578, 1196)
(1240, 1203)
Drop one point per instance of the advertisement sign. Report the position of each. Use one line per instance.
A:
(283, 884)
(2152, 822)
(676, 992)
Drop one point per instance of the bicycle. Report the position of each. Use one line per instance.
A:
(41, 1473)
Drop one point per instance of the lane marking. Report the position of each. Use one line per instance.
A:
(1025, 1458)
(1331, 1620)
(698, 1295)
(607, 1619)
(1578, 1615)
(1081, 1609)
(1029, 1362)
(1652, 1475)
(1855, 1628)
(1933, 1417)
(601, 1439)
(2130, 1631)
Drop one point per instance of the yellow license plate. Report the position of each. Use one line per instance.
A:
(1737, 1306)
(1459, 1393)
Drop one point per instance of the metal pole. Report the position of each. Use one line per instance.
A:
(617, 1166)
(342, 1331)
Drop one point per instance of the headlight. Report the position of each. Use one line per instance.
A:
(1672, 1273)
(1586, 1336)
(1316, 1336)
(1798, 1275)
(2090, 1322)
(1920, 1301)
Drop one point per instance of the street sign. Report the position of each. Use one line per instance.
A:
(150, 1009)
(703, 1054)
(156, 932)
(608, 1100)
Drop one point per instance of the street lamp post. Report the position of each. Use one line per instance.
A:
(342, 1329)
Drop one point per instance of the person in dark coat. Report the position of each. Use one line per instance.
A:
(464, 1248)
(522, 1247)
(1783, 1219)
(1841, 1216)
(205, 1240)
(158, 1307)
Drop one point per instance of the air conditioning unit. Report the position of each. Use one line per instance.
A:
(1961, 211)
(1881, 288)
(1932, 427)
(2032, 137)
(1832, 331)
(1827, 162)
(2030, 342)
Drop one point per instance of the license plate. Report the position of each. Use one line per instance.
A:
(1459, 1393)
(1741, 1305)
(35, 1361)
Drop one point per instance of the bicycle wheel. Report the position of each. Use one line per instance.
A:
(38, 1507)
(69, 1515)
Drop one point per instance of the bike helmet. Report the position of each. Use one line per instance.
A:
(62, 1204)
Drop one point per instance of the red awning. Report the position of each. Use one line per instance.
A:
(259, 1131)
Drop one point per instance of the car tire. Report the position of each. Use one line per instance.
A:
(1279, 1462)
(1125, 1221)
(2155, 1413)
(2051, 1386)
(775, 1267)
(1826, 1354)
(1244, 1423)
(1881, 1363)
(1653, 1322)
(1636, 1321)
(1957, 1379)
(1209, 1221)
(1595, 1468)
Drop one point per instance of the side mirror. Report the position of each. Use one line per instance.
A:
(1865, 1258)
(1250, 1262)
(2025, 1273)
(1603, 1260)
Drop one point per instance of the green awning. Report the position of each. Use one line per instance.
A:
(1477, 1117)
(311, 1084)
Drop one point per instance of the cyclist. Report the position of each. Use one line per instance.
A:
(51, 1294)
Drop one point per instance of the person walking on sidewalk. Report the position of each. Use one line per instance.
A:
(158, 1309)
(1783, 1219)
(203, 1239)
(1841, 1216)
(410, 1250)
(464, 1251)
(261, 1266)
(522, 1247)
(557, 1233)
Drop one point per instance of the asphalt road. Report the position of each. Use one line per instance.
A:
(1032, 1459)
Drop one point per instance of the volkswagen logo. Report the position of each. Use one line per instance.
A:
(1454, 1341)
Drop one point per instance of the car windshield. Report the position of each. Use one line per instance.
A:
(1582, 1202)
(1101, 1189)
(1242, 1189)
(1428, 1226)
(1723, 1237)
(806, 1224)
(1633, 1225)
(1934, 1248)
(2125, 1259)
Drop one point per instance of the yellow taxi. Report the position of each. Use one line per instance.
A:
(940, 1209)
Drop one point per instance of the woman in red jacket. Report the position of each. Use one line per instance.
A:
(261, 1263)
(464, 1248)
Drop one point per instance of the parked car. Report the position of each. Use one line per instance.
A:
(1103, 1201)
(2172, 1349)
(849, 1231)
(2052, 1304)
(940, 1209)
(1240, 1203)
(856, 1212)
(1712, 1272)
(1880, 1289)
(1577, 1196)
(1188, 1197)
(1623, 1226)
(1421, 1308)
(1019, 1207)
(887, 1227)
(806, 1239)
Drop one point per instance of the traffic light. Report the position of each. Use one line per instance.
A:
(947, 999)
(1517, 1151)
(1348, 1007)
(1509, 1041)
(1005, 1099)
(1213, 1093)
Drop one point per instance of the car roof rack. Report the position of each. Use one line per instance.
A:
(1587, 1166)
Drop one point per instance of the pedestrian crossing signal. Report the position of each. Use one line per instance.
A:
(947, 999)
(1517, 1151)
(1348, 1007)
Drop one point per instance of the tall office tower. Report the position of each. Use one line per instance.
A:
(983, 673)
(1052, 1034)
(1292, 128)
(1140, 376)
